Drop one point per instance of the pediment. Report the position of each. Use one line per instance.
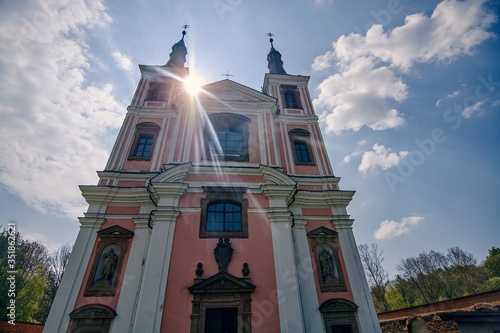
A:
(220, 283)
(115, 231)
(337, 305)
(93, 311)
(230, 91)
(174, 174)
(322, 232)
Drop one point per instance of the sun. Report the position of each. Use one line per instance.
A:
(192, 85)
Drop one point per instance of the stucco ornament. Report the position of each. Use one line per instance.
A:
(223, 253)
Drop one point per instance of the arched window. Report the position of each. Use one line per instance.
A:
(144, 140)
(158, 91)
(224, 216)
(224, 213)
(339, 315)
(301, 146)
(226, 137)
(291, 98)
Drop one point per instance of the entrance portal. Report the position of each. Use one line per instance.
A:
(221, 320)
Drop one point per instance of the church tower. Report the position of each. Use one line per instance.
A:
(216, 212)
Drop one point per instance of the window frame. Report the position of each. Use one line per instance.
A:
(292, 91)
(223, 195)
(225, 122)
(158, 92)
(145, 129)
(225, 214)
(299, 135)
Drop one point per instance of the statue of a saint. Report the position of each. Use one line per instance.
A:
(110, 261)
(327, 266)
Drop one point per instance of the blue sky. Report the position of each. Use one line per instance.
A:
(407, 93)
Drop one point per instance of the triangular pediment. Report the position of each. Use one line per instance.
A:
(230, 91)
(322, 232)
(220, 283)
(115, 231)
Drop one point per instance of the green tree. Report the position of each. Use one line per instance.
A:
(491, 284)
(492, 262)
(37, 275)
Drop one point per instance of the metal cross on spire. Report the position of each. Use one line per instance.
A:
(270, 34)
(227, 75)
(185, 26)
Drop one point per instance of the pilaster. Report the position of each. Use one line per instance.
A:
(67, 293)
(289, 299)
(307, 285)
(152, 293)
(367, 317)
(132, 278)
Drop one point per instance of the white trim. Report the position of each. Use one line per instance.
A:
(367, 317)
(67, 294)
(287, 282)
(129, 293)
(150, 304)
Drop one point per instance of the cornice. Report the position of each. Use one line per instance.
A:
(323, 198)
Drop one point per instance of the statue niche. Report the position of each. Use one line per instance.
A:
(112, 244)
(328, 267)
(106, 268)
(324, 245)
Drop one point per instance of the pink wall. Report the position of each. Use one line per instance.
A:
(189, 249)
(111, 301)
(324, 296)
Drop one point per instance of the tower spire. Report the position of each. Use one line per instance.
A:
(179, 51)
(274, 62)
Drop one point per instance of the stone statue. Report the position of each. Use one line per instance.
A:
(110, 261)
(327, 265)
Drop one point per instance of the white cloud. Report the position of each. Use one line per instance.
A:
(366, 90)
(449, 96)
(55, 124)
(476, 108)
(391, 229)
(380, 157)
(359, 97)
(122, 61)
(347, 159)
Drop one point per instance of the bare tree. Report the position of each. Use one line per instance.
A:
(58, 261)
(371, 257)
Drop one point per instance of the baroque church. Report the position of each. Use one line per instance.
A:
(216, 213)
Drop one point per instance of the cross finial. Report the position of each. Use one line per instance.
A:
(227, 75)
(270, 34)
(185, 26)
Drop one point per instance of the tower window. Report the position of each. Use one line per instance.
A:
(301, 152)
(300, 139)
(290, 100)
(144, 146)
(226, 137)
(158, 92)
(144, 140)
(224, 213)
(290, 97)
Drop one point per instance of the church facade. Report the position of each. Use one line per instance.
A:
(216, 212)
